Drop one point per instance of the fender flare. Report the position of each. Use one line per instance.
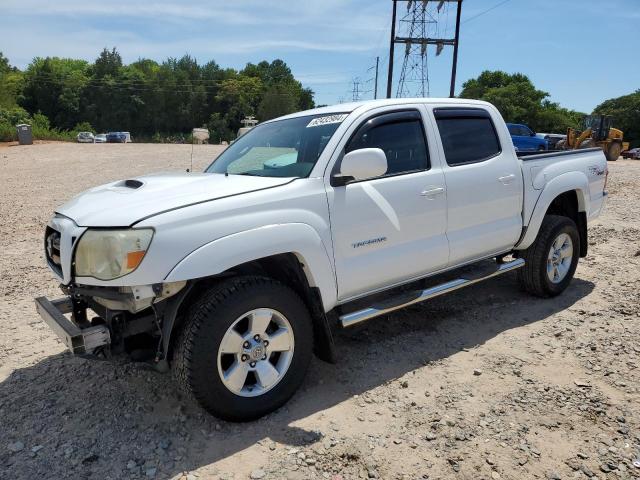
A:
(567, 182)
(235, 249)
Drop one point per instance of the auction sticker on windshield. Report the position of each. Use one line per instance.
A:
(327, 119)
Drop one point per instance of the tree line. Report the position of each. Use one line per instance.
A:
(147, 98)
(519, 101)
(164, 101)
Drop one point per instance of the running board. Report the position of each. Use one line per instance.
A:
(387, 306)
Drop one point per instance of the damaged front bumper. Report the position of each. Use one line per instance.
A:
(78, 340)
(122, 313)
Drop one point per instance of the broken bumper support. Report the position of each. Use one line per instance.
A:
(78, 340)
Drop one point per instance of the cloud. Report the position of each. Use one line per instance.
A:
(265, 13)
(162, 28)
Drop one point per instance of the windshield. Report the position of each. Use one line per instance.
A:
(284, 148)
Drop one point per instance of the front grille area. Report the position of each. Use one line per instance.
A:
(52, 249)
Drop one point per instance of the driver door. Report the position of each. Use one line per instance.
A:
(391, 228)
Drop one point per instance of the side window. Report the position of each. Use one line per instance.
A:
(468, 135)
(400, 135)
(513, 130)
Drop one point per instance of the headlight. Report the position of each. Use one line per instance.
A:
(109, 254)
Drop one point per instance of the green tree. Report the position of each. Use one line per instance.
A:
(626, 115)
(150, 99)
(519, 101)
(277, 101)
(4, 64)
(238, 98)
(277, 79)
(54, 86)
(218, 129)
(107, 63)
(10, 83)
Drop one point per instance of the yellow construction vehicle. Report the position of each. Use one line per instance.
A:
(597, 132)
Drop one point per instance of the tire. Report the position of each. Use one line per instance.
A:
(535, 276)
(207, 372)
(613, 152)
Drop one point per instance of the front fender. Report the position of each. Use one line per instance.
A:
(566, 182)
(242, 247)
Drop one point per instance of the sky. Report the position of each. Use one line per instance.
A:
(579, 51)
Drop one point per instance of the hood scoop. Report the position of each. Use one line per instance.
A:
(130, 183)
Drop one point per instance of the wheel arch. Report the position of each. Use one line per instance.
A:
(229, 252)
(287, 268)
(566, 195)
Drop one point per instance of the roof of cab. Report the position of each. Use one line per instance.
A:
(369, 104)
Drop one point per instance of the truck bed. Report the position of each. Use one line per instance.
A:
(545, 170)
(526, 156)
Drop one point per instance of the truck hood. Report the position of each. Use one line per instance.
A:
(122, 203)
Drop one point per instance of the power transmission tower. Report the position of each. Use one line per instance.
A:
(416, 26)
(414, 67)
(356, 90)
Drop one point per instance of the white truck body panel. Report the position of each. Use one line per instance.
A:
(352, 240)
(116, 205)
(581, 171)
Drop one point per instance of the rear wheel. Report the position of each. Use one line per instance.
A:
(613, 152)
(551, 261)
(245, 348)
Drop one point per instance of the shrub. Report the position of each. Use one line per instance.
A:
(83, 127)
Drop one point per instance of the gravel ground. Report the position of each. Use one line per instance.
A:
(485, 383)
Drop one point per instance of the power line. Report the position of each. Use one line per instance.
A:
(486, 11)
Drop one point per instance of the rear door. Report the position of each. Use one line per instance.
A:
(484, 184)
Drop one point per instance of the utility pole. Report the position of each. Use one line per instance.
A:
(391, 48)
(452, 89)
(375, 88)
(420, 20)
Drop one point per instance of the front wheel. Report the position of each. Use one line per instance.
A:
(551, 261)
(245, 348)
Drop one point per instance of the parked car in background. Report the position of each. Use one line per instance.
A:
(85, 137)
(525, 139)
(116, 137)
(127, 137)
(101, 138)
(633, 153)
(551, 138)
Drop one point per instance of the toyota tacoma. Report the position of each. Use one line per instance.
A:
(235, 276)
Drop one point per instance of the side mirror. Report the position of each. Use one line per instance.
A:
(533, 134)
(360, 165)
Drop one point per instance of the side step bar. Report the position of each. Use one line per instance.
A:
(387, 306)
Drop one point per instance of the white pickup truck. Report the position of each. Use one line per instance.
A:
(329, 217)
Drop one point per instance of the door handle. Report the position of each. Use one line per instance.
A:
(432, 192)
(507, 179)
